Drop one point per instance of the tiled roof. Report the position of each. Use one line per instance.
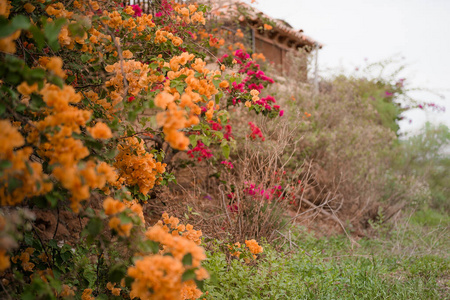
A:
(233, 8)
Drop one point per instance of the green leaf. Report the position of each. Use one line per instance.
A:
(36, 102)
(21, 107)
(150, 246)
(14, 183)
(51, 32)
(218, 96)
(29, 168)
(225, 149)
(188, 275)
(28, 295)
(116, 273)
(28, 238)
(219, 134)
(180, 88)
(2, 108)
(53, 244)
(56, 80)
(66, 255)
(85, 57)
(206, 140)
(200, 284)
(124, 218)
(19, 22)
(187, 260)
(112, 153)
(90, 276)
(33, 75)
(76, 29)
(38, 36)
(193, 139)
(94, 226)
(5, 164)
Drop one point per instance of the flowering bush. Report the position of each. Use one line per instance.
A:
(95, 99)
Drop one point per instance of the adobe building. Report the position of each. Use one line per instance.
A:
(277, 41)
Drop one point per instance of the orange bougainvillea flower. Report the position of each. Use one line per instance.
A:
(127, 54)
(29, 8)
(268, 27)
(253, 246)
(112, 206)
(4, 261)
(100, 131)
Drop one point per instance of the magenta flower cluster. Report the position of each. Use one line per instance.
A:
(256, 132)
(258, 191)
(200, 151)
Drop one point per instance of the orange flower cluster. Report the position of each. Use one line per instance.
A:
(172, 120)
(178, 246)
(189, 14)
(268, 27)
(239, 33)
(161, 273)
(122, 229)
(107, 106)
(58, 10)
(254, 247)
(199, 85)
(53, 64)
(156, 277)
(189, 290)
(100, 131)
(5, 8)
(172, 226)
(115, 291)
(136, 166)
(233, 248)
(27, 176)
(25, 259)
(113, 207)
(138, 75)
(68, 119)
(260, 56)
(161, 36)
(4, 261)
(65, 151)
(7, 44)
(87, 295)
(66, 39)
(136, 208)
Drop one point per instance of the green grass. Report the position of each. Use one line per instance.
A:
(405, 263)
(430, 217)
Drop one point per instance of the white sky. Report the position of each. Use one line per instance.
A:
(355, 30)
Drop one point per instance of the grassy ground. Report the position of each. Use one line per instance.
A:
(406, 260)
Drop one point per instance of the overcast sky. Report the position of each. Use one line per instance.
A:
(353, 31)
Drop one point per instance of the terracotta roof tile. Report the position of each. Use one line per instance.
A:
(232, 8)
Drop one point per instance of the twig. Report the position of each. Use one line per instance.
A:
(87, 85)
(42, 244)
(290, 241)
(57, 222)
(224, 205)
(98, 269)
(9, 296)
(343, 228)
